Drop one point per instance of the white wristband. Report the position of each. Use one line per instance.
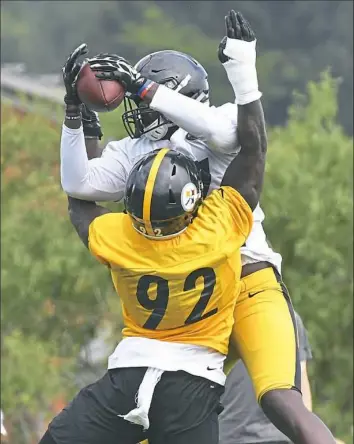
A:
(244, 82)
(241, 70)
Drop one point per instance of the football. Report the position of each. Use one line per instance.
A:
(98, 95)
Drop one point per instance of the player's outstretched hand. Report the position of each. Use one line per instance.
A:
(113, 67)
(71, 71)
(237, 27)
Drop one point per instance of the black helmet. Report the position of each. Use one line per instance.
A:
(162, 194)
(175, 70)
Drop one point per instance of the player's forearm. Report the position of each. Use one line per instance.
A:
(197, 118)
(241, 69)
(93, 148)
(74, 165)
(82, 213)
(73, 159)
(246, 171)
(79, 178)
(73, 120)
(252, 129)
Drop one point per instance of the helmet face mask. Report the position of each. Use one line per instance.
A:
(175, 70)
(163, 193)
(141, 119)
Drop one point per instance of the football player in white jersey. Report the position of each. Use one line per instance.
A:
(167, 105)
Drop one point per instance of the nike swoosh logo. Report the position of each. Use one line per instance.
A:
(211, 368)
(250, 295)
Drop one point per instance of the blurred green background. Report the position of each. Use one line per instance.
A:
(296, 39)
(56, 299)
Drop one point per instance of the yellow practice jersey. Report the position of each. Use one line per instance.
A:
(182, 289)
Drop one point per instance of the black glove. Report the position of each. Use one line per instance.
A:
(71, 71)
(90, 123)
(113, 67)
(237, 27)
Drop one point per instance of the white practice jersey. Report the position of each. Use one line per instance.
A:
(106, 176)
(128, 151)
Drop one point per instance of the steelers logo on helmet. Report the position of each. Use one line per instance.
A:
(189, 196)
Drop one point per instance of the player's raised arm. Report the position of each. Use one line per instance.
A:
(180, 93)
(82, 213)
(92, 131)
(246, 171)
(76, 113)
(84, 174)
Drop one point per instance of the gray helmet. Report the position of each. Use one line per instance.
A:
(175, 70)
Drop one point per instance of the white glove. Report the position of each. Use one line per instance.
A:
(237, 53)
(241, 70)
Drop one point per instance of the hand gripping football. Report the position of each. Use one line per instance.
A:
(98, 95)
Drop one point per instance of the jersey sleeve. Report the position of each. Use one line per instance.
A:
(216, 126)
(100, 179)
(102, 233)
(228, 213)
(239, 210)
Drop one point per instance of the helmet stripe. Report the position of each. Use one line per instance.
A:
(150, 188)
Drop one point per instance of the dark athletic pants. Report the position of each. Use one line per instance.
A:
(184, 409)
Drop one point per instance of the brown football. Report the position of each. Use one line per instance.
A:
(98, 95)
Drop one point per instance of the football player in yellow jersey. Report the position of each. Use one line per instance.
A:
(175, 263)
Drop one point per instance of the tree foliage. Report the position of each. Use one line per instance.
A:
(296, 39)
(55, 297)
(308, 199)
